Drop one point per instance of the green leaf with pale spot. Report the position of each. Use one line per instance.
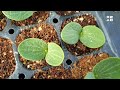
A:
(92, 37)
(90, 75)
(18, 15)
(71, 32)
(107, 69)
(55, 55)
(33, 49)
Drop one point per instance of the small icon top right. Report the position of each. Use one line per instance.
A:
(109, 18)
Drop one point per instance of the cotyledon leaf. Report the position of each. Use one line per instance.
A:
(107, 69)
(18, 15)
(55, 54)
(90, 75)
(33, 49)
(71, 32)
(92, 37)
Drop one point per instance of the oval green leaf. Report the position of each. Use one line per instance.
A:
(89, 75)
(71, 32)
(107, 69)
(92, 37)
(18, 15)
(33, 49)
(55, 54)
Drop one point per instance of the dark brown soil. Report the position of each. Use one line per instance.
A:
(65, 13)
(53, 73)
(37, 17)
(43, 31)
(86, 64)
(7, 61)
(2, 21)
(78, 48)
(79, 70)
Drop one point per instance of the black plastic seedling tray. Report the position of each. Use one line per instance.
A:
(111, 30)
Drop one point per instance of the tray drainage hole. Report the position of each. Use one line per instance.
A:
(11, 31)
(55, 20)
(68, 62)
(21, 76)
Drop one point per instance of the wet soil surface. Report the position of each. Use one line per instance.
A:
(66, 13)
(78, 71)
(36, 18)
(86, 64)
(2, 21)
(7, 61)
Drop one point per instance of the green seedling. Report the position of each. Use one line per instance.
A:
(91, 36)
(106, 69)
(18, 15)
(35, 49)
(71, 33)
(55, 54)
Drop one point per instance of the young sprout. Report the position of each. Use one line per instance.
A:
(91, 36)
(35, 49)
(18, 15)
(55, 54)
(106, 69)
(71, 33)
